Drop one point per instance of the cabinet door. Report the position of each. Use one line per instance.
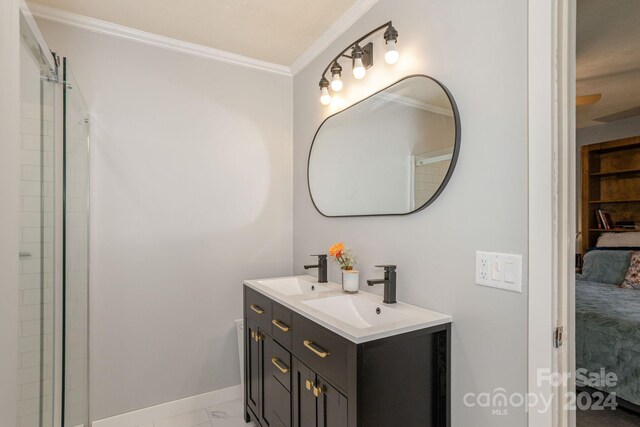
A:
(252, 372)
(276, 398)
(277, 377)
(266, 387)
(304, 401)
(277, 404)
(332, 406)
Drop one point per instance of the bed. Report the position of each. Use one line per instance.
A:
(608, 335)
(608, 324)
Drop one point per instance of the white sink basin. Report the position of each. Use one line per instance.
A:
(293, 286)
(357, 312)
(354, 317)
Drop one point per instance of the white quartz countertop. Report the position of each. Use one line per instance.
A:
(412, 318)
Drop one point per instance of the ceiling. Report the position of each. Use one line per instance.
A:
(276, 31)
(607, 57)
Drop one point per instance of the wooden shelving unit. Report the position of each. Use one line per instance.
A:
(610, 181)
(620, 172)
(613, 230)
(601, 202)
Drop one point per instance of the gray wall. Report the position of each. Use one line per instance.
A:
(9, 206)
(607, 132)
(191, 193)
(172, 131)
(478, 50)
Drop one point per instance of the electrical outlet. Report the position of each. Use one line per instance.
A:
(502, 271)
(484, 268)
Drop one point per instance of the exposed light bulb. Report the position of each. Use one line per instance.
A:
(358, 68)
(336, 72)
(325, 97)
(392, 55)
(336, 83)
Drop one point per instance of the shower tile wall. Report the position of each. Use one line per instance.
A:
(428, 178)
(35, 370)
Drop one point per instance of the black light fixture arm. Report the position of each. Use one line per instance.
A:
(341, 54)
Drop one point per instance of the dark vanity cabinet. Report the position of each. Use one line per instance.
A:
(300, 374)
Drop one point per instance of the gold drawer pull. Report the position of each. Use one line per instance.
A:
(256, 309)
(317, 391)
(317, 350)
(280, 325)
(278, 364)
(309, 384)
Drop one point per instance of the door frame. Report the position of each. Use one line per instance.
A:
(552, 205)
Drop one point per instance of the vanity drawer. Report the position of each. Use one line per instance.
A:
(279, 360)
(281, 325)
(258, 308)
(321, 350)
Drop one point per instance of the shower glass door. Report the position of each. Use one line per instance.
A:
(76, 255)
(37, 252)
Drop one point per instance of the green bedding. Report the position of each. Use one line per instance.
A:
(608, 335)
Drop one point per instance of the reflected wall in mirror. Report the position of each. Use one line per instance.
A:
(389, 154)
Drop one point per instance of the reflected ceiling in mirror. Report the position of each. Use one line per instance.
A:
(389, 154)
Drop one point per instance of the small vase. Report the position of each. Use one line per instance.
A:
(350, 281)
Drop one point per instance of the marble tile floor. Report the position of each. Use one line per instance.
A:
(227, 414)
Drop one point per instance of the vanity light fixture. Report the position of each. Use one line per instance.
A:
(361, 58)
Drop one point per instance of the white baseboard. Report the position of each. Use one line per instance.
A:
(170, 409)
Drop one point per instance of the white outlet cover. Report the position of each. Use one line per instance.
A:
(490, 270)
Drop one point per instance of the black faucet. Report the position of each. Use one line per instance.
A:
(389, 282)
(321, 266)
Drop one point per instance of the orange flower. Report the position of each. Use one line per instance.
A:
(336, 250)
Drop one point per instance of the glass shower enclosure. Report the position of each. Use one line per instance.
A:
(75, 410)
(53, 345)
(37, 234)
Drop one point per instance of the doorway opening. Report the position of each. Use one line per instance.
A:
(604, 302)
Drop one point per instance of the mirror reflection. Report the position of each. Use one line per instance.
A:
(389, 154)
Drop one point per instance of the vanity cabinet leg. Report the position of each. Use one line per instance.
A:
(444, 378)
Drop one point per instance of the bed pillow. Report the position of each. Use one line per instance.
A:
(605, 266)
(632, 280)
(619, 239)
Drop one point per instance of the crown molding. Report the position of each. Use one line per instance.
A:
(411, 102)
(103, 27)
(355, 12)
(351, 16)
